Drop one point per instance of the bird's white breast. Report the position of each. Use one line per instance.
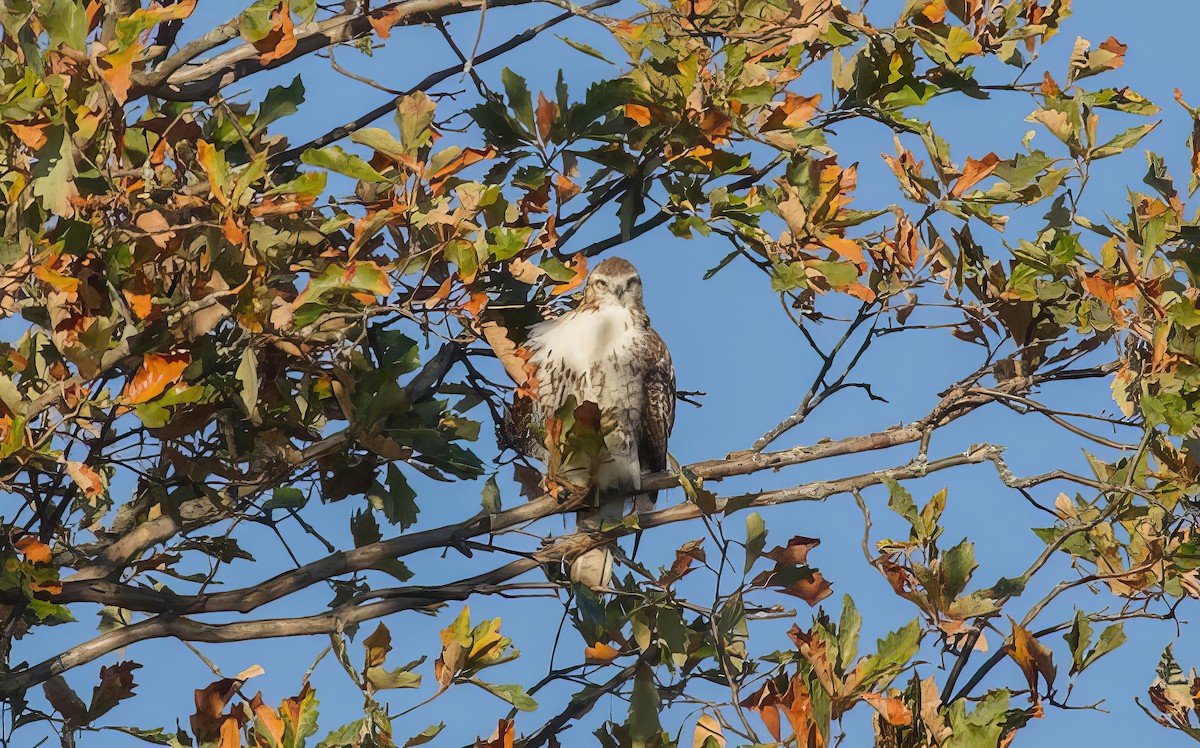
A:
(586, 343)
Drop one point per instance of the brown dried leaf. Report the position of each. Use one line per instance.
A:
(1033, 657)
(89, 481)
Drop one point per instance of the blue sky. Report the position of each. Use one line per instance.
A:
(730, 339)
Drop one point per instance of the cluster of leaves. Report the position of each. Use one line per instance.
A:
(210, 334)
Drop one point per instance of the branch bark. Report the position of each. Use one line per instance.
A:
(210, 76)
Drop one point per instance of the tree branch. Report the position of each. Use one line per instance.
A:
(209, 77)
(429, 81)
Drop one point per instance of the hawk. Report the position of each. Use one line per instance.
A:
(605, 352)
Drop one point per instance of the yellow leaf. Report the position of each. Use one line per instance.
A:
(959, 44)
(707, 727)
(119, 70)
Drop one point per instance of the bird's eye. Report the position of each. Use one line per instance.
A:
(599, 283)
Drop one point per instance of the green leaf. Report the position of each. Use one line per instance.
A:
(255, 22)
(346, 736)
(382, 141)
(1123, 142)
(285, 498)
(356, 276)
(901, 501)
(308, 184)
(756, 539)
(894, 651)
(336, 159)
(587, 50)
(54, 173)
(1110, 638)
(400, 505)
(157, 736)
(848, 630)
(44, 610)
(505, 243)
(383, 679)
(66, 23)
(958, 564)
(364, 528)
(426, 735)
(644, 727)
(519, 99)
(280, 102)
(511, 693)
(491, 496)
(301, 723)
(247, 374)
(395, 349)
(414, 115)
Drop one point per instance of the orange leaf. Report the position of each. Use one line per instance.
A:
(578, 263)
(847, 248)
(34, 550)
(231, 733)
(501, 738)
(464, 159)
(859, 291)
(58, 281)
(383, 20)
(973, 172)
(1116, 48)
(794, 111)
(34, 136)
(1050, 86)
(269, 718)
(935, 11)
(599, 654)
(142, 304)
(156, 374)
(281, 40)
(638, 114)
(120, 69)
(566, 188)
(546, 112)
(893, 710)
(475, 305)
(715, 124)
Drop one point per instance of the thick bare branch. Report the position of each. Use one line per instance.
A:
(184, 629)
(210, 76)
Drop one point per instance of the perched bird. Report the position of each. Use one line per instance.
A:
(605, 351)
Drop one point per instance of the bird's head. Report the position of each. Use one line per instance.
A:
(614, 282)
